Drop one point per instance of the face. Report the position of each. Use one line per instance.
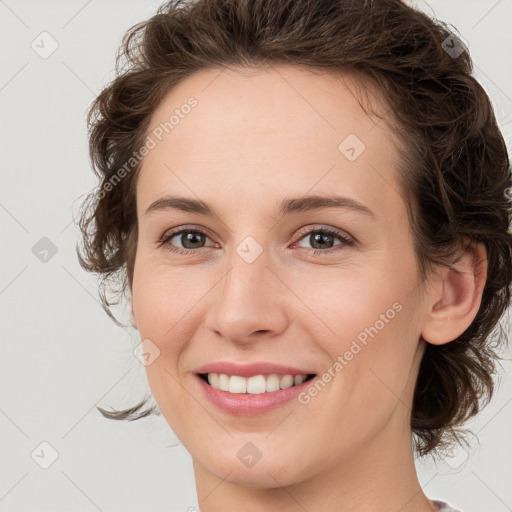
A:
(330, 289)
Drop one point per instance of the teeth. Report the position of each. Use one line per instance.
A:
(255, 385)
(223, 382)
(299, 379)
(237, 384)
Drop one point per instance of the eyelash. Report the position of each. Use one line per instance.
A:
(302, 234)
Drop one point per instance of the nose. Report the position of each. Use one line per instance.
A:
(249, 303)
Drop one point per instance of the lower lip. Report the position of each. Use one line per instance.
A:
(247, 404)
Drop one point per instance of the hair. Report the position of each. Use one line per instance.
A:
(454, 171)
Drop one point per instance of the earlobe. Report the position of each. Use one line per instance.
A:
(454, 303)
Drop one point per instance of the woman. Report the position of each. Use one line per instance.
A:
(307, 203)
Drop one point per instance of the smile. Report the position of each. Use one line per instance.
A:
(254, 395)
(256, 385)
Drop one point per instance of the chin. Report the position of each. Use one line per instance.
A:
(273, 471)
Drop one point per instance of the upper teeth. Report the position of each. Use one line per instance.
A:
(254, 385)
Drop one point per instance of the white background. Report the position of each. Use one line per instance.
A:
(60, 353)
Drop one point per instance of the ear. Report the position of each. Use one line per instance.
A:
(456, 295)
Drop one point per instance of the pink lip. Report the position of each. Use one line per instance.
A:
(251, 369)
(246, 404)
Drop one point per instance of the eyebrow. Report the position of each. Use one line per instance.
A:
(287, 206)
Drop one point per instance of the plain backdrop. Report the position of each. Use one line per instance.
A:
(60, 353)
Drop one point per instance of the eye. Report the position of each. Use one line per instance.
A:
(322, 239)
(190, 239)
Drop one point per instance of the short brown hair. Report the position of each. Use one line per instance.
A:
(455, 172)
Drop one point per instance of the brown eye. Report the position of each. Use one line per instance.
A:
(190, 240)
(323, 239)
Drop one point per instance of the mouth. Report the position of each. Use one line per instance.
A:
(255, 385)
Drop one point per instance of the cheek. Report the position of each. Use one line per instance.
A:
(165, 314)
(163, 297)
(169, 305)
(368, 321)
(372, 350)
(344, 304)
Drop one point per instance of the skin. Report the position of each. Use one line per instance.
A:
(255, 138)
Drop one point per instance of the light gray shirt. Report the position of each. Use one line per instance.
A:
(444, 507)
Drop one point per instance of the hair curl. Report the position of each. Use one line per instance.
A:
(455, 172)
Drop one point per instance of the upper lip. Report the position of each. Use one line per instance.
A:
(251, 369)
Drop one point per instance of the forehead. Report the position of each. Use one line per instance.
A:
(280, 128)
